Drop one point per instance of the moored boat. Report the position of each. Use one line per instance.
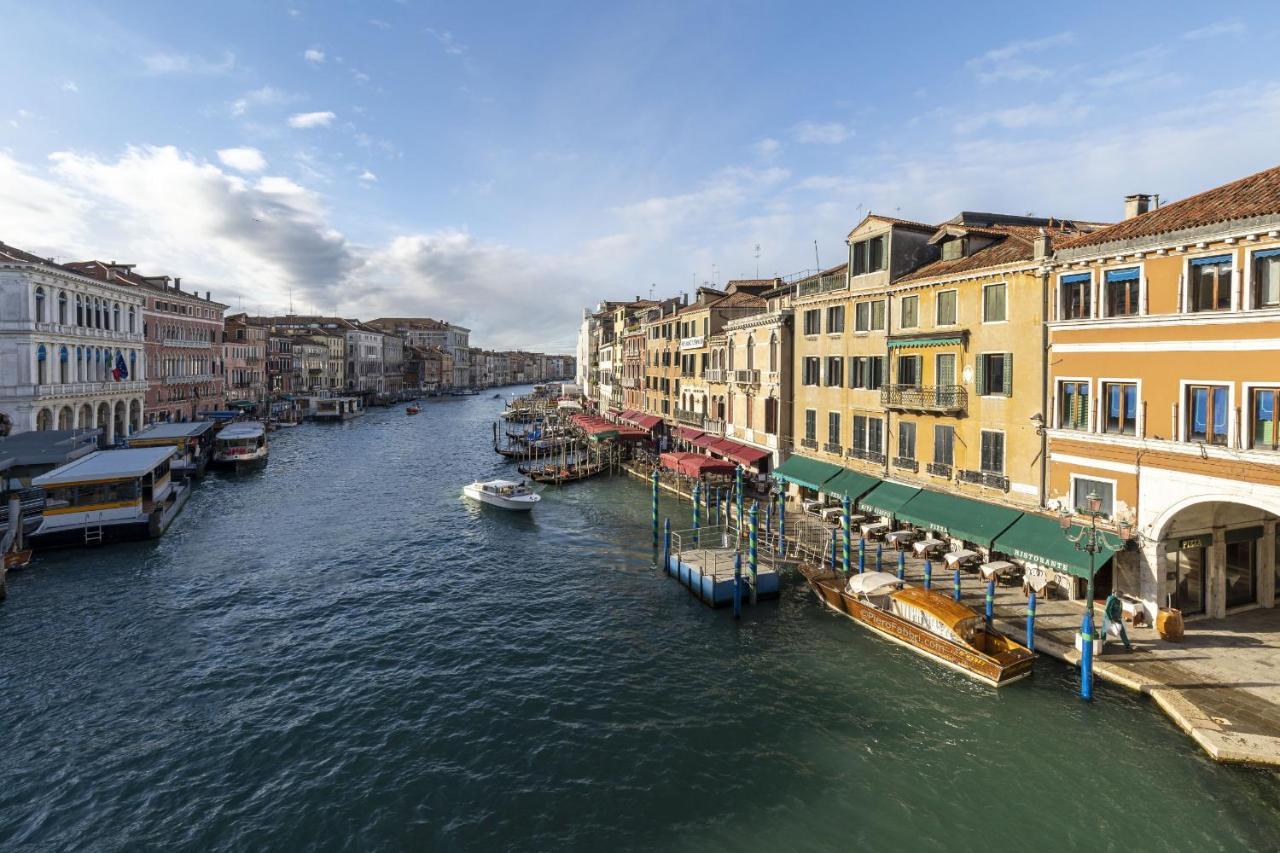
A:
(927, 621)
(412, 410)
(503, 494)
(240, 445)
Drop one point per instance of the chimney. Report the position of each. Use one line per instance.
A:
(208, 296)
(1137, 204)
(1040, 246)
(177, 284)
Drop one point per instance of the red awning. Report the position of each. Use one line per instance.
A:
(723, 446)
(646, 422)
(627, 414)
(696, 465)
(674, 461)
(705, 441)
(688, 433)
(746, 454)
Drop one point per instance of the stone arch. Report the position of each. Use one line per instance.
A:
(66, 418)
(1161, 528)
(135, 415)
(120, 419)
(84, 419)
(751, 352)
(62, 307)
(44, 420)
(42, 313)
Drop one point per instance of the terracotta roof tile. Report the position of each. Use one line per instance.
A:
(1256, 195)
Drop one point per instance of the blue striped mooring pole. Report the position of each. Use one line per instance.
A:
(991, 600)
(768, 519)
(834, 563)
(697, 496)
(844, 529)
(928, 573)
(654, 508)
(782, 523)
(955, 590)
(666, 545)
(752, 544)
(738, 488)
(1031, 621)
(1086, 657)
(902, 565)
(737, 585)
(862, 556)
(879, 557)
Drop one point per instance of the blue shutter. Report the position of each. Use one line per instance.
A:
(1130, 274)
(1216, 259)
(1267, 253)
(1074, 278)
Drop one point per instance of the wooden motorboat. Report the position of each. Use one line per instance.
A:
(17, 559)
(927, 621)
(559, 474)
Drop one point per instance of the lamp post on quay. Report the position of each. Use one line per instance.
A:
(1093, 541)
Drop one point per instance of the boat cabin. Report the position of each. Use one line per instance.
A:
(937, 613)
(245, 438)
(191, 440)
(335, 408)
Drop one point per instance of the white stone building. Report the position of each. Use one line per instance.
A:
(71, 349)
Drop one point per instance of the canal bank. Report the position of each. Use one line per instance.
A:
(338, 650)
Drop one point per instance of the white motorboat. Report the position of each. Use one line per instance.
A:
(240, 445)
(503, 494)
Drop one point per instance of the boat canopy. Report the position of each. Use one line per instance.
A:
(887, 498)
(867, 583)
(961, 518)
(936, 612)
(105, 466)
(171, 431)
(803, 471)
(1038, 540)
(244, 429)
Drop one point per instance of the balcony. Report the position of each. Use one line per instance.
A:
(713, 375)
(630, 382)
(690, 418)
(986, 479)
(714, 426)
(833, 448)
(906, 464)
(89, 389)
(810, 443)
(924, 398)
(826, 284)
(937, 469)
(178, 342)
(773, 377)
(192, 379)
(873, 456)
(746, 377)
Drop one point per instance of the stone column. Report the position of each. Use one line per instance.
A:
(1215, 581)
(110, 427)
(1267, 565)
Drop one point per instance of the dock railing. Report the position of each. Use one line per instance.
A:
(713, 549)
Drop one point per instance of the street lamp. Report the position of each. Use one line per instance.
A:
(1092, 541)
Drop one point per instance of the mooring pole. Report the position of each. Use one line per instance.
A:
(902, 565)
(1031, 621)
(991, 600)
(738, 485)
(654, 507)
(844, 529)
(697, 496)
(752, 537)
(666, 545)
(834, 563)
(928, 573)
(782, 523)
(879, 557)
(862, 556)
(955, 588)
(768, 519)
(737, 585)
(1086, 657)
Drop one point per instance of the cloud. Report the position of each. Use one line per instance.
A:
(314, 56)
(1065, 110)
(263, 97)
(767, 147)
(183, 63)
(368, 177)
(1009, 62)
(243, 159)
(306, 121)
(70, 86)
(359, 76)
(447, 41)
(824, 133)
(379, 23)
(1225, 27)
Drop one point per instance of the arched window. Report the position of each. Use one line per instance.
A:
(115, 317)
(133, 365)
(40, 318)
(64, 365)
(42, 365)
(730, 365)
(133, 319)
(751, 352)
(773, 352)
(79, 310)
(62, 307)
(95, 321)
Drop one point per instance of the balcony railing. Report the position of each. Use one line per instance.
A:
(180, 342)
(924, 398)
(746, 377)
(773, 377)
(192, 379)
(873, 456)
(906, 464)
(832, 447)
(715, 426)
(811, 443)
(825, 284)
(937, 469)
(713, 375)
(985, 479)
(690, 418)
(85, 389)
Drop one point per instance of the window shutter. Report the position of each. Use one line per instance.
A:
(977, 375)
(1008, 374)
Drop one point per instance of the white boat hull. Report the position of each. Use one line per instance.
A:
(522, 503)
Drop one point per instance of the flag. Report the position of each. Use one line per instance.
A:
(121, 370)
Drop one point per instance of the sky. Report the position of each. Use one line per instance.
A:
(504, 166)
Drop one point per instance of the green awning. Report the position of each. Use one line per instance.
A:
(804, 471)
(930, 341)
(850, 483)
(887, 498)
(962, 518)
(1040, 541)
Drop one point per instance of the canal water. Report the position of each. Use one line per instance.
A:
(339, 653)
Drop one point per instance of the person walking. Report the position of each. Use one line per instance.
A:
(1113, 621)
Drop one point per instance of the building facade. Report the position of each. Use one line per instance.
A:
(245, 361)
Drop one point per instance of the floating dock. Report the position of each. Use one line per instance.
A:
(703, 561)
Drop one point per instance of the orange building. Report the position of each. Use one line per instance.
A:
(1164, 354)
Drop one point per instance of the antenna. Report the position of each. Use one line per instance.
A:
(290, 299)
(757, 260)
(651, 287)
(816, 262)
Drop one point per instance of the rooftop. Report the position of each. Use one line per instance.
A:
(185, 429)
(107, 465)
(49, 447)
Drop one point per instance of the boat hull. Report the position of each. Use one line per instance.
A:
(829, 587)
(498, 501)
(136, 528)
(239, 463)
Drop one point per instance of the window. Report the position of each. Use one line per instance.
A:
(1121, 414)
(995, 374)
(862, 317)
(944, 445)
(40, 305)
(992, 452)
(906, 440)
(868, 255)
(1210, 284)
(810, 425)
(909, 370)
(868, 434)
(813, 321)
(910, 314)
(945, 369)
(62, 307)
(835, 371)
(771, 414)
(833, 428)
(1074, 296)
(79, 310)
(1263, 418)
(877, 315)
(1082, 487)
(946, 308)
(835, 319)
(993, 303)
(875, 372)
(1073, 405)
(1207, 414)
(1266, 279)
(1123, 290)
(866, 372)
(812, 371)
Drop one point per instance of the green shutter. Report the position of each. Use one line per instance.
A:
(1008, 374)
(977, 375)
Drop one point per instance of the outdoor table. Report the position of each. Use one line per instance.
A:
(832, 512)
(927, 544)
(997, 569)
(873, 528)
(900, 537)
(1133, 609)
(811, 505)
(960, 558)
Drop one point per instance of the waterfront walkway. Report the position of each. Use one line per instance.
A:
(1221, 685)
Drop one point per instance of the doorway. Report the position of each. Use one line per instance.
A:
(1186, 568)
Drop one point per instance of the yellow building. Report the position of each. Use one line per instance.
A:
(1165, 380)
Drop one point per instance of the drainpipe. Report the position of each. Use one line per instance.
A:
(1042, 253)
(888, 372)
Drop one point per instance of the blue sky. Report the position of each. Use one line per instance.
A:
(505, 165)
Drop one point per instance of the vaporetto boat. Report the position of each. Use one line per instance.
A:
(240, 445)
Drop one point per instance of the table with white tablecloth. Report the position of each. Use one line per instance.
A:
(997, 569)
(963, 557)
(873, 528)
(927, 545)
(900, 537)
